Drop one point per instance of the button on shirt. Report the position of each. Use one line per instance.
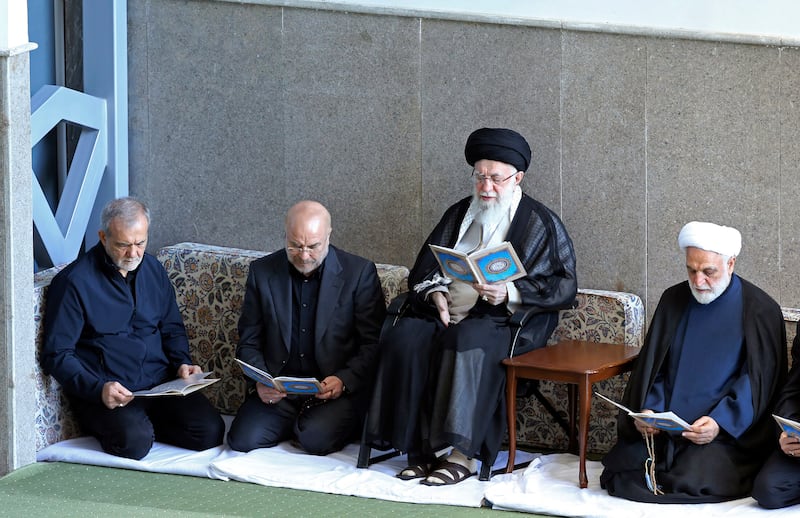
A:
(305, 291)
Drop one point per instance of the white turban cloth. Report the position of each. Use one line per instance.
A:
(723, 240)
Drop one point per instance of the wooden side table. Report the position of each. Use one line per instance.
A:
(576, 362)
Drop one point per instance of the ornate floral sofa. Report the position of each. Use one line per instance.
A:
(209, 286)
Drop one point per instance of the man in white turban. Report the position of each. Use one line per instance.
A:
(724, 242)
(715, 355)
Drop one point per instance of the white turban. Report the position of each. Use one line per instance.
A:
(725, 241)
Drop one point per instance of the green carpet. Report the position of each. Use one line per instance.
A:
(67, 490)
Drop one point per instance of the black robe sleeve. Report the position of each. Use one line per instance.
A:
(765, 346)
(543, 245)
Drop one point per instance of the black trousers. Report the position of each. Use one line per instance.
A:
(778, 483)
(189, 422)
(319, 426)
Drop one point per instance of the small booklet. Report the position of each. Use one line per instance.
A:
(179, 386)
(287, 384)
(667, 421)
(792, 428)
(488, 266)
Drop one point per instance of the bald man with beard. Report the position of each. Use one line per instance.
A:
(440, 381)
(309, 310)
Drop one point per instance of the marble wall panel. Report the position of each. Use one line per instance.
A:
(483, 75)
(603, 157)
(139, 109)
(352, 138)
(214, 167)
(239, 110)
(713, 154)
(789, 181)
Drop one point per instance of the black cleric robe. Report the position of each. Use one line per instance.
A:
(725, 468)
(778, 483)
(445, 386)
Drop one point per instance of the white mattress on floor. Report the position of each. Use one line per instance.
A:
(548, 486)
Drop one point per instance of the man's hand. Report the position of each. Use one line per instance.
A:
(704, 430)
(184, 371)
(789, 445)
(440, 301)
(332, 388)
(494, 294)
(643, 428)
(269, 395)
(115, 395)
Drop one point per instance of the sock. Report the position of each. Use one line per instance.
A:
(457, 457)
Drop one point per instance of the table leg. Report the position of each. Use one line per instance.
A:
(585, 402)
(572, 412)
(511, 410)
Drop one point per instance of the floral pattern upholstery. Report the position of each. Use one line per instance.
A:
(790, 318)
(599, 316)
(53, 420)
(209, 286)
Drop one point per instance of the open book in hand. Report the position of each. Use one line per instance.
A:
(792, 428)
(288, 384)
(487, 266)
(667, 421)
(179, 386)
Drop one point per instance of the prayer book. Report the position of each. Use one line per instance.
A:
(288, 384)
(667, 421)
(792, 428)
(488, 266)
(179, 386)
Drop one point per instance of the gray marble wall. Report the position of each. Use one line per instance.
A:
(239, 110)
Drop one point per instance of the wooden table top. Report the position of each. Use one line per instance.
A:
(577, 356)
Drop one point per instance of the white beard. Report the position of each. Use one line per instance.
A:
(710, 294)
(492, 212)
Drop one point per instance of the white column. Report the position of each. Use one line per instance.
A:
(17, 349)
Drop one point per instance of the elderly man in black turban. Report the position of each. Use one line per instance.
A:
(440, 382)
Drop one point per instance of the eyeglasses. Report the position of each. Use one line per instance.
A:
(495, 178)
(310, 250)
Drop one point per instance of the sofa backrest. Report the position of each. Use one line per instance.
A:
(209, 285)
(53, 420)
(611, 317)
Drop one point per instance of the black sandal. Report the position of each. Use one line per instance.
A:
(448, 473)
(415, 471)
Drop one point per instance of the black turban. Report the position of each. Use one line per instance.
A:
(500, 144)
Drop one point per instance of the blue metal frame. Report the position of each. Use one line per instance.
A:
(99, 169)
(62, 233)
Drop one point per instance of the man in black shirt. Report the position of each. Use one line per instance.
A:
(309, 309)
